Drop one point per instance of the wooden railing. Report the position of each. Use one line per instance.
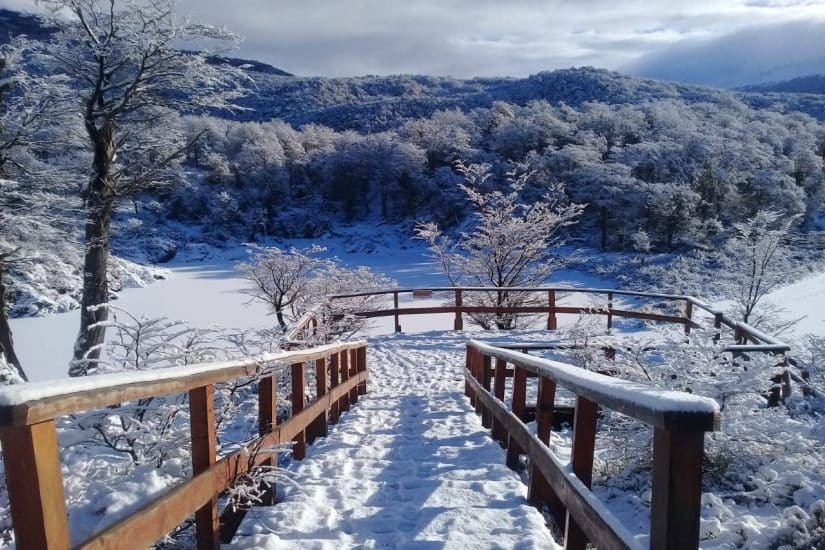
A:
(31, 452)
(679, 421)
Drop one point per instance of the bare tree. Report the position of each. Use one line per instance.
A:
(756, 258)
(511, 245)
(281, 277)
(125, 58)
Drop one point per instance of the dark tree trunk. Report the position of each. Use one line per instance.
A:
(6, 341)
(99, 203)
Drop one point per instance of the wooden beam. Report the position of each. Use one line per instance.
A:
(677, 490)
(581, 459)
(35, 485)
(202, 426)
(297, 372)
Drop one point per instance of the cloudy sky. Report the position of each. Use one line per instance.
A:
(720, 42)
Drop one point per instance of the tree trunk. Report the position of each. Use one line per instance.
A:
(6, 341)
(100, 204)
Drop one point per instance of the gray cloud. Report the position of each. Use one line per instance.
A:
(478, 37)
(751, 55)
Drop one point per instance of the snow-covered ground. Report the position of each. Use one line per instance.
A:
(209, 294)
(409, 466)
(804, 298)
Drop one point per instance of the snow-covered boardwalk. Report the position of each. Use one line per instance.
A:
(409, 466)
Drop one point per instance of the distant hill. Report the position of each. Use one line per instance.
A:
(810, 84)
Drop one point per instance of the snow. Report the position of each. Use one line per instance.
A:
(608, 388)
(805, 297)
(409, 466)
(21, 393)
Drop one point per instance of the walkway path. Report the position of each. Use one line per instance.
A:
(409, 466)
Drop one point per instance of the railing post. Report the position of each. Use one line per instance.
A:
(362, 367)
(320, 427)
(343, 367)
(498, 431)
(353, 372)
(299, 445)
(677, 489)
(688, 315)
(468, 390)
(478, 374)
(539, 491)
(717, 324)
(552, 322)
(35, 485)
(609, 312)
(202, 426)
(395, 304)
(334, 380)
(486, 376)
(458, 324)
(514, 450)
(581, 458)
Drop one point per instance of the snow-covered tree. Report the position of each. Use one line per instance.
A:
(511, 244)
(280, 278)
(131, 75)
(756, 259)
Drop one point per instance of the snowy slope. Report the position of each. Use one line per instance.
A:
(409, 466)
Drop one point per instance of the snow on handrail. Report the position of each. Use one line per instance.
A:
(53, 399)
(660, 408)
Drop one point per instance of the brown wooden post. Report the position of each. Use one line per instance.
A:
(458, 324)
(334, 370)
(552, 322)
(35, 485)
(478, 374)
(362, 367)
(584, 446)
(320, 427)
(609, 312)
(467, 388)
(499, 434)
(395, 304)
(739, 335)
(539, 491)
(353, 372)
(299, 445)
(717, 323)
(343, 367)
(202, 426)
(519, 392)
(677, 489)
(486, 378)
(688, 315)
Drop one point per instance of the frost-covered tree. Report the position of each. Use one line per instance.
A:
(131, 75)
(280, 278)
(512, 242)
(756, 259)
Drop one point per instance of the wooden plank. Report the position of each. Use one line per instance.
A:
(319, 427)
(688, 316)
(343, 366)
(353, 370)
(544, 408)
(395, 308)
(35, 485)
(677, 490)
(486, 377)
(267, 420)
(334, 375)
(362, 367)
(159, 517)
(202, 427)
(299, 441)
(658, 408)
(458, 323)
(552, 321)
(581, 459)
(519, 392)
(63, 400)
(609, 312)
(499, 385)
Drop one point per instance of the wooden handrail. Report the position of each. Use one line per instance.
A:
(32, 459)
(679, 422)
